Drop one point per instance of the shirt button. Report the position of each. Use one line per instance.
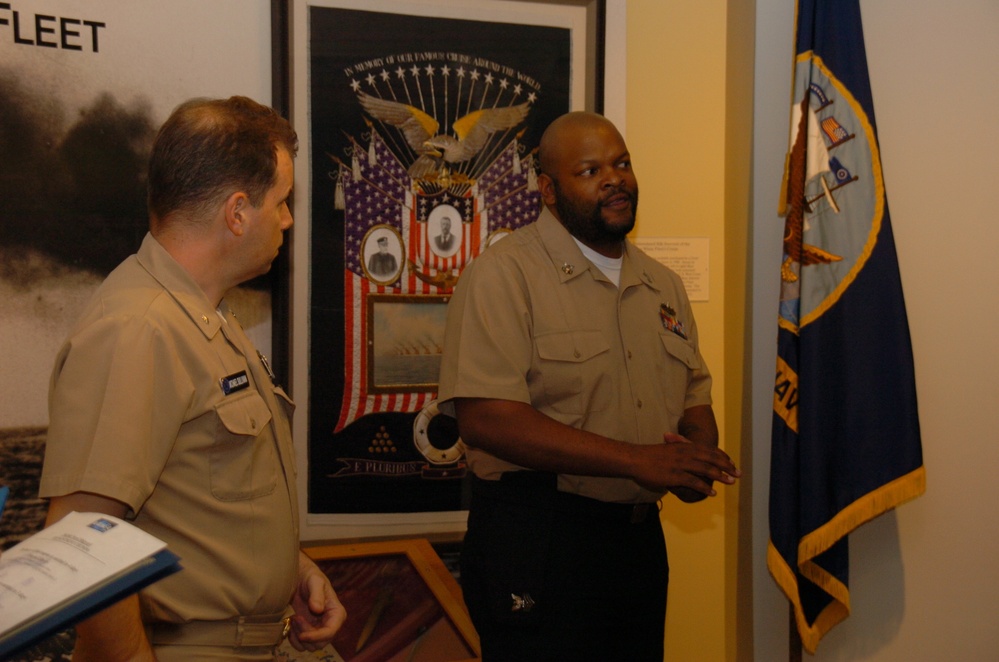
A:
(253, 423)
(576, 354)
(629, 353)
(639, 404)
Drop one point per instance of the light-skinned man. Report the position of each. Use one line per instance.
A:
(163, 412)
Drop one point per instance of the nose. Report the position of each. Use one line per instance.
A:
(287, 219)
(614, 178)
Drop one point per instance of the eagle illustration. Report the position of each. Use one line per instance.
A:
(797, 174)
(435, 149)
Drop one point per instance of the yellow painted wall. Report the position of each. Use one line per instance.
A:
(684, 128)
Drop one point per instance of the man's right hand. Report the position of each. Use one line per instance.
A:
(520, 434)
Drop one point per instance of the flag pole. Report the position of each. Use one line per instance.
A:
(793, 637)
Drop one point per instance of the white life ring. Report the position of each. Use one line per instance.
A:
(421, 438)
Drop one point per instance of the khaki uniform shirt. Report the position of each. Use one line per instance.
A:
(533, 321)
(139, 413)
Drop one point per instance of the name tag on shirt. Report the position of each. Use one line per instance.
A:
(235, 382)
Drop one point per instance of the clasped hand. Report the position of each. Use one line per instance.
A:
(685, 468)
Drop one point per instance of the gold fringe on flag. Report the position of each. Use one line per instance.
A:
(864, 509)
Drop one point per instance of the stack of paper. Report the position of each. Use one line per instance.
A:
(72, 569)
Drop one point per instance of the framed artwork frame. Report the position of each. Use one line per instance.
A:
(366, 443)
(402, 356)
(403, 604)
(382, 241)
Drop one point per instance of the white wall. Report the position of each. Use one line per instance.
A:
(923, 578)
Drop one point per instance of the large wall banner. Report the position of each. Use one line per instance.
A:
(422, 133)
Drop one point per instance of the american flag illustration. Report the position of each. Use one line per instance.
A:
(376, 191)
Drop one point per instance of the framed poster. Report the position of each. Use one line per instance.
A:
(85, 84)
(401, 601)
(419, 123)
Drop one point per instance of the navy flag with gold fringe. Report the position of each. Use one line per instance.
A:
(846, 445)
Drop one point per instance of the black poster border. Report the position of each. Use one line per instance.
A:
(310, 314)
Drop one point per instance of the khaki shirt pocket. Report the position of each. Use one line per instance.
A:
(575, 371)
(243, 463)
(286, 402)
(679, 362)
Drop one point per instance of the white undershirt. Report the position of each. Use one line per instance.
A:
(609, 266)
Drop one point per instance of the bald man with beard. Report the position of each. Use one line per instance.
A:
(571, 362)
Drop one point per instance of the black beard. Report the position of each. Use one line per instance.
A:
(588, 225)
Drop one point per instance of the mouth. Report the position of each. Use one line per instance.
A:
(618, 200)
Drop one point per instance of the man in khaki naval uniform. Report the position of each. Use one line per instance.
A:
(163, 412)
(571, 361)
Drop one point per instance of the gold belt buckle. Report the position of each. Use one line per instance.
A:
(287, 627)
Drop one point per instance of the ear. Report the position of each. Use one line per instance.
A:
(546, 186)
(235, 209)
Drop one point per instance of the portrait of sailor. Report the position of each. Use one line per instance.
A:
(382, 263)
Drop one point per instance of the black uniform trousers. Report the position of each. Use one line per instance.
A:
(553, 576)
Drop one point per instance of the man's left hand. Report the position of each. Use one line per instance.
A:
(318, 611)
